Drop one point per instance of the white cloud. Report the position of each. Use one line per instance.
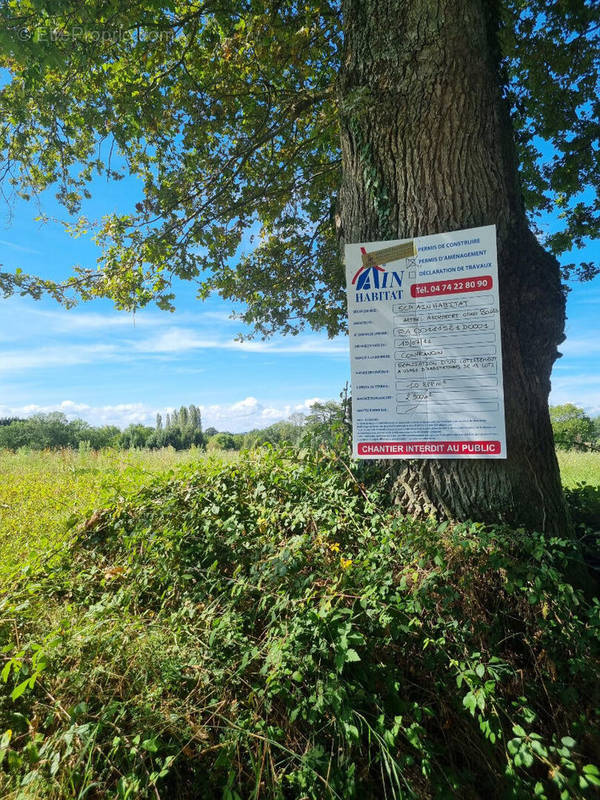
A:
(237, 417)
(19, 247)
(582, 346)
(56, 356)
(173, 341)
(582, 390)
(251, 413)
(69, 321)
(180, 340)
(176, 340)
(246, 407)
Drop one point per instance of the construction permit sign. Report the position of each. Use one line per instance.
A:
(426, 356)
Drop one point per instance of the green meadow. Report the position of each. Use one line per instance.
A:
(265, 626)
(43, 494)
(577, 467)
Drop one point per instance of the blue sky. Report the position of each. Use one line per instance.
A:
(108, 367)
(111, 367)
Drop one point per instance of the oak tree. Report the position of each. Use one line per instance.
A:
(317, 123)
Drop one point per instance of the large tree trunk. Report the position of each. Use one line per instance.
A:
(427, 147)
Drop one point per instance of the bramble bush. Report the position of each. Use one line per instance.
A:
(583, 500)
(272, 628)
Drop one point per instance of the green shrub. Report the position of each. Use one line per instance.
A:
(271, 628)
(221, 441)
(584, 504)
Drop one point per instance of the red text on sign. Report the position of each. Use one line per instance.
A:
(481, 283)
(460, 448)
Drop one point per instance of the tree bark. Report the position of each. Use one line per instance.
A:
(427, 146)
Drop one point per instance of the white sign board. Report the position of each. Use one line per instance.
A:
(424, 324)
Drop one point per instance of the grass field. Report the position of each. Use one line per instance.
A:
(579, 468)
(43, 493)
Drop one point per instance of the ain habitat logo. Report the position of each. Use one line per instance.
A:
(375, 283)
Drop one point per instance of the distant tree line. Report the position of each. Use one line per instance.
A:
(53, 431)
(326, 424)
(181, 429)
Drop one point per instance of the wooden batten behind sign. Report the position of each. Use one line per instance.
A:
(395, 253)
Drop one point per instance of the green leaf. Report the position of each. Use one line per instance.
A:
(352, 655)
(18, 691)
(527, 758)
(13, 760)
(591, 769)
(568, 741)
(513, 746)
(351, 731)
(539, 748)
(31, 752)
(470, 702)
(54, 764)
(150, 745)
(340, 660)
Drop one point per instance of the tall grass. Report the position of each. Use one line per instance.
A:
(42, 494)
(578, 467)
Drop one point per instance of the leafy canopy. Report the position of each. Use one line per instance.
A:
(571, 426)
(227, 112)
